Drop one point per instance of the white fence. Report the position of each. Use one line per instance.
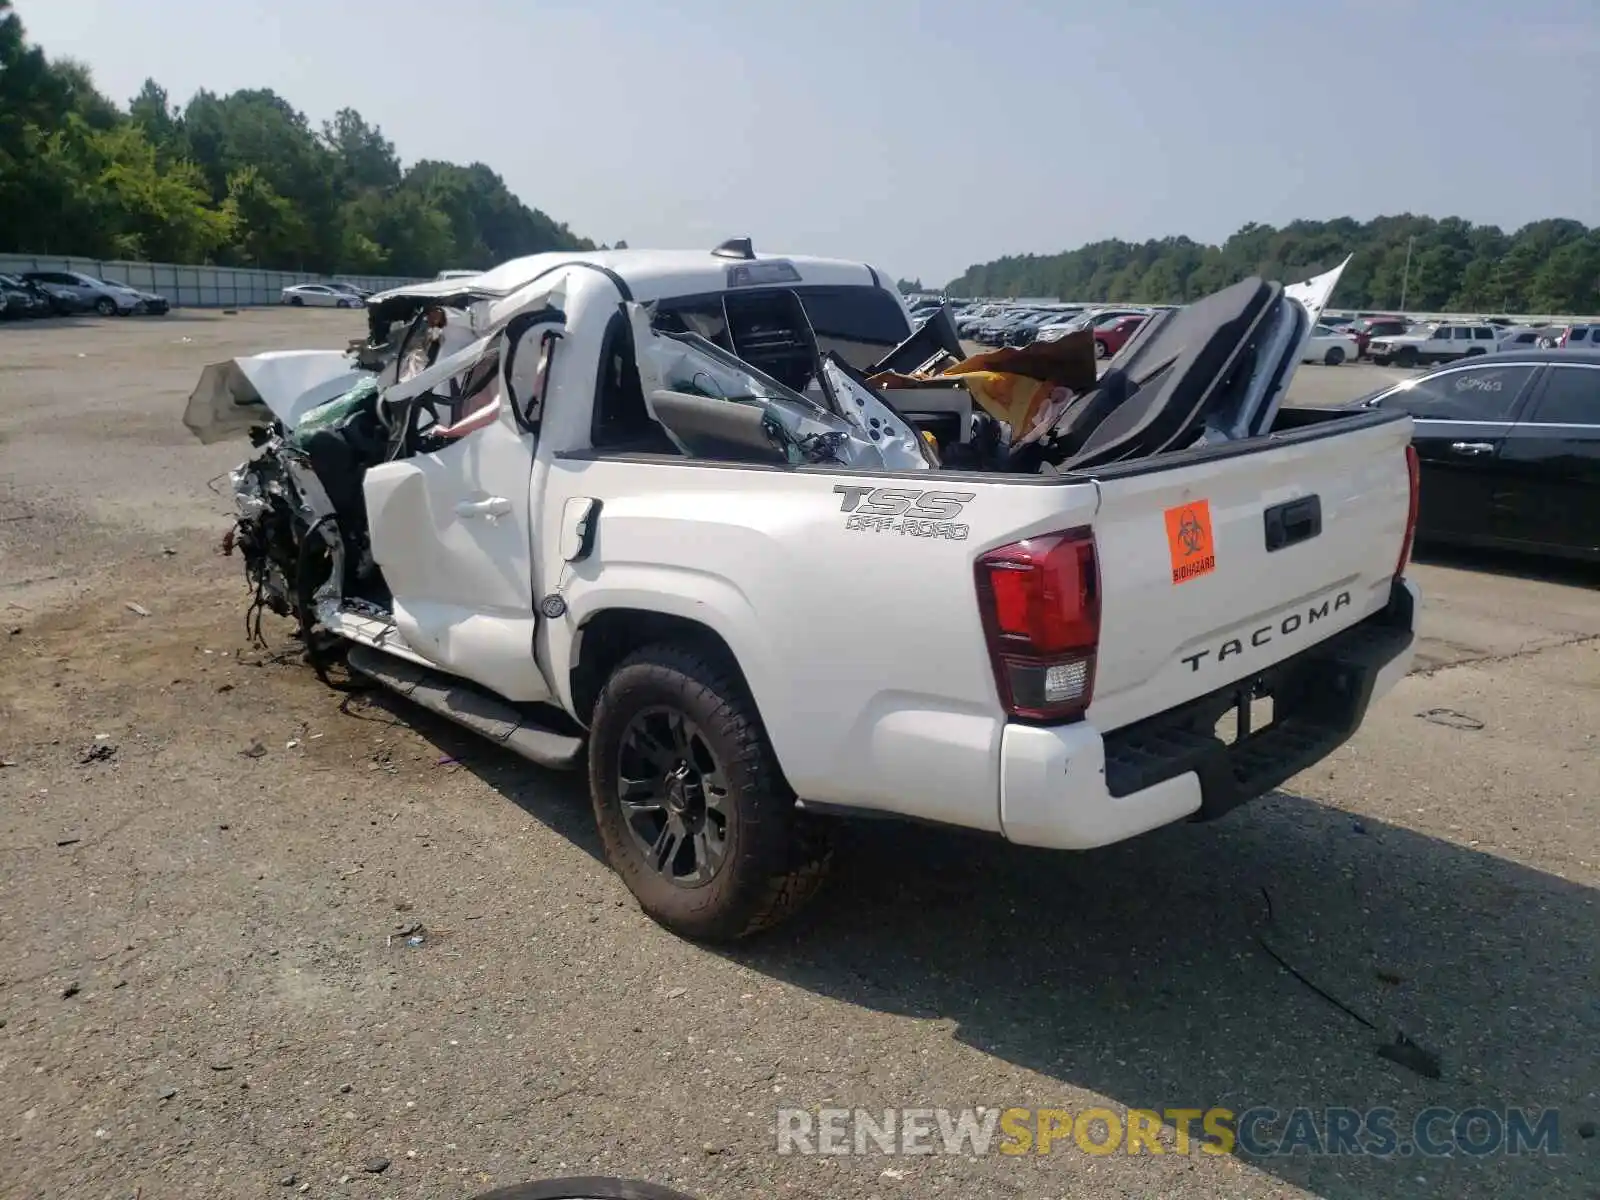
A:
(195, 287)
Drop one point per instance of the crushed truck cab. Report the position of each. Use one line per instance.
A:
(721, 529)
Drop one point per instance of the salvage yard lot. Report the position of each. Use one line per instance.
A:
(210, 865)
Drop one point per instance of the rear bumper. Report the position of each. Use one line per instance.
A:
(1070, 788)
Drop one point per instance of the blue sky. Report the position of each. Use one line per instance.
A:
(920, 137)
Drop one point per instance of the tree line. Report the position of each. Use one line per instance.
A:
(1408, 262)
(237, 180)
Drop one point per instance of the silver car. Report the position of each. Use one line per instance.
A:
(106, 297)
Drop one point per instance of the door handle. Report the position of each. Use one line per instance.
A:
(494, 506)
(1472, 447)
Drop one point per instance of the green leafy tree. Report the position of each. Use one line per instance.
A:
(160, 120)
(267, 229)
(365, 158)
(241, 178)
(1448, 264)
(161, 213)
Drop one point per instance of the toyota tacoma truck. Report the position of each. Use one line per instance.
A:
(656, 516)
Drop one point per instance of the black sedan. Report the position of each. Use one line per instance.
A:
(1509, 446)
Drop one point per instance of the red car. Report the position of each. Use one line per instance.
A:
(1367, 328)
(1113, 334)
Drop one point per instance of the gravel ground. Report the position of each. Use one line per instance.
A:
(207, 862)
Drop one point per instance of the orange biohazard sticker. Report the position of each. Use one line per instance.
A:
(1189, 541)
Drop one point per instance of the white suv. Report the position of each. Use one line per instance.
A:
(1433, 344)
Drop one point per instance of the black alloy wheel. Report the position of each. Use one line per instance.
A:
(674, 796)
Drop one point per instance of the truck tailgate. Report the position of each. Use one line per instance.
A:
(1212, 570)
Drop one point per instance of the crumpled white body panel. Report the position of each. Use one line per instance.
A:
(234, 395)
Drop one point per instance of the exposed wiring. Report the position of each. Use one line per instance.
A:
(1282, 962)
(1400, 1050)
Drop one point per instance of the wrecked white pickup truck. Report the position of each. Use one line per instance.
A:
(662, 515)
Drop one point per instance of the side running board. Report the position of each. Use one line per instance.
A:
(470, 707)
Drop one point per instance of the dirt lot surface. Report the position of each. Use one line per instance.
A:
(208, 860)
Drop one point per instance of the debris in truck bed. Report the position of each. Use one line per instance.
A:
(1014, 385)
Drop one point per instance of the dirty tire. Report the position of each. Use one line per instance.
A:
(1407, 357)
(1334, 356)
(106, 306)
(777, 856)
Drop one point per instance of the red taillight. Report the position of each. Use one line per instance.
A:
(1040, 604)
(1414, 472)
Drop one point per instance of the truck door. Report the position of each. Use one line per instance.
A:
(452, 525)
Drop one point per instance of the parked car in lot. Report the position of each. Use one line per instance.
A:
(1433, 344)
(993, 331)
(105, 296)
(1364, 329)
(1330, 346)
(1581, 337)
(318, 295)
(1024, 331)
(19, 298)
(1525, 337)
(1058, 326)
(1112, 333)
(1509, 449)
(1095, 316)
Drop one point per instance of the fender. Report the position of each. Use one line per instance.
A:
(673, 591)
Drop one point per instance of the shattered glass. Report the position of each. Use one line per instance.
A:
(804, 430)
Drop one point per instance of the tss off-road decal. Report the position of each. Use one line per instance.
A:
(910, 512)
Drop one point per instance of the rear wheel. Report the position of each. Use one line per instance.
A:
(691, 806)
(1334, 356)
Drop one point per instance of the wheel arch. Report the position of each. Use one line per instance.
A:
(610, 634)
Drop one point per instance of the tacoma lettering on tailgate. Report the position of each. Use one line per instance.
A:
(1287, 626)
